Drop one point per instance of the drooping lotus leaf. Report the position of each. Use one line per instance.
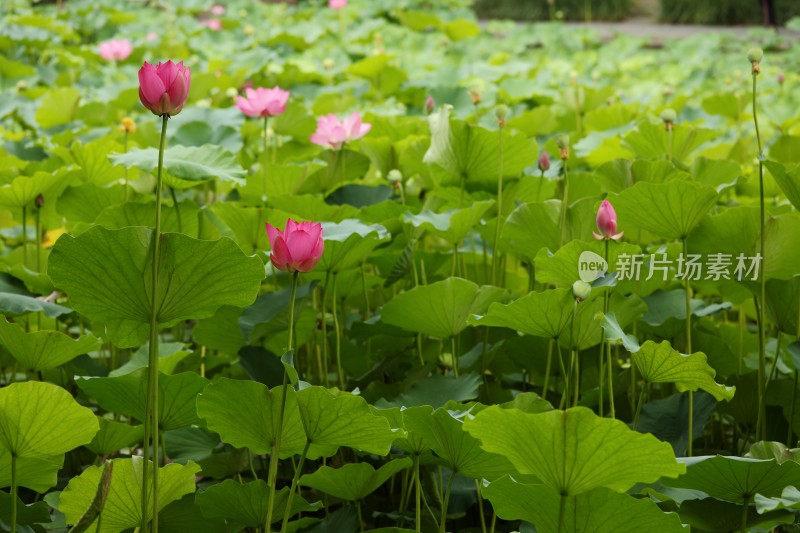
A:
(192, 163)
(542, 314)
(354, 481)
(245, 504)
(452, 225)
(42, 350)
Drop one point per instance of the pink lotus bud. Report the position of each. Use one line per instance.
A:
(212, 24)
(544, 161)
(607, 223)
(333, 133)
(298, 248)
(217, 10)
(163, 88)
(263, 102)
(152, 36)
(337, 4)
(115, 50)
(430, 104)
(781, 78)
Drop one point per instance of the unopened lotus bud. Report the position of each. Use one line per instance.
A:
(475, 95)
(501, 112)
(446, 360)
(231, 93)
(781, 79)
(127, 125)
(40, 201)
(563, 146)
(394, 176)
(544, 161)
(669, 116)
(327, 63)
(755, 55)
(581, 290)
(249, 30)
(430, 104)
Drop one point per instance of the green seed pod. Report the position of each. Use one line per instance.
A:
(562, 141)
(394, 176)
(501, 112)
(669, 115)
(754, 55)
(581, 290)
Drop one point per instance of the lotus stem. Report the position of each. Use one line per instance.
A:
(761, 419)
(288, 511)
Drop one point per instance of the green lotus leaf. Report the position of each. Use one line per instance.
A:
(245, 504)
(192, 163)
(354, 481)
(42, 350)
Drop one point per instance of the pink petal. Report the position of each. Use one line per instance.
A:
(167, 72)
(273, 234)
(598, 237)
(280, 256)
(618, 236)
(300, 245)
(150, 85)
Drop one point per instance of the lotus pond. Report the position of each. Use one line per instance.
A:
(374, 265)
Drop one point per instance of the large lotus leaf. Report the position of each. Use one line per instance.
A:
(788, 180)
(462, 151)
(452, 225)
(169, 355)
(343, 166)
(516, 236)
(735, 479)
(440, 309)
(435, 391)
(254, 428)
(42, 350)
(650, 141)
(617, 175)
(661, 363)
(246, 504)
(589, 330)
(564, 267)
(107, 274)
(246, 225)
(789, 499)
(443, 432)
(574, 451)
(58, 107)
(612, 331)
(348, 243)
(113, 436)
(717, 516)
(24, 189)
(670, 210)
(192, 163)
(92, 160)
(599, 510)
(83, 203)
(354, 481)
(185, 515)
(344, 420)
(144, 214)
(126, 395)
(123, 505)
(734, 231)
(27, 515)
(781, 242)
(35, 473)
(668, 418)
(41, 419)
(542, 314)
(717, 173)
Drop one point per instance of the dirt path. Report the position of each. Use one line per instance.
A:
(646, 27)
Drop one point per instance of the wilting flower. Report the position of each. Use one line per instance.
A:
(212, 24)
(607, 223)
(115, 49)
(337, 4)
(263, 102)
(544, 161)
(333, 133)
(298, 248)
(163, 88)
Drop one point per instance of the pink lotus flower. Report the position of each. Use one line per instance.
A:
(115, 49)
(152, 36)
(607, 223)
(217, 10)
(298, 249)
(544, 161)
(333, 133)
(337, 4)
(430, 104)
(263, 102)
(163, 88)
(212, 24)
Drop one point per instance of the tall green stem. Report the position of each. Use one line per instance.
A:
(564, 204)
(688, 291)
(574, 355)
(274, 457)
(446, 502)
(761, 419)
(548, 368)
(338, 333)
(496, 251)
(288, 511)
(24, 236)
(13, 492)
(417, 494)
(610, 361)
(151, 404)
(745, 507)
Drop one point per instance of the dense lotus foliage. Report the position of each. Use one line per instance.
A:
(376, 265)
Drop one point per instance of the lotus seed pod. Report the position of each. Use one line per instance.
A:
(754, 55)
(581, 290)
(231, 92)
(475, 95)
(563, 146)
(394, 176)
(501, 112)
(327, 63)
(669, 115)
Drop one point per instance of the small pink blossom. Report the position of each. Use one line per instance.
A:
(212, 24)
(337, 4)
(152, 36)
(217, 10)
(430, 104)
(544, 161)
(263, 102)
(298, 248)
(333, 133)
(115, 49)
(607, 223)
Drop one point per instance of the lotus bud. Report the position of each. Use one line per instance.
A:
(501, 112)
(544, 161)
(563, 146)
(232, 93)
(475, 95)
(755, 55)
(430, 104)
(781, 79)
(327, 63)
(581, 290)
(669, 116)
(394, 176)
